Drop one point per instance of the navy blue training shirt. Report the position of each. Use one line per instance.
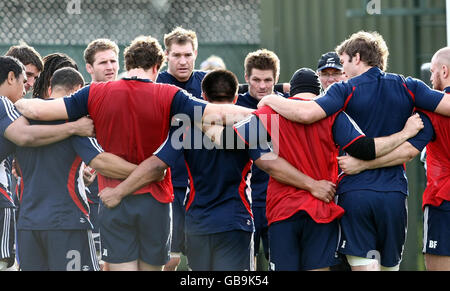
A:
(380, 103)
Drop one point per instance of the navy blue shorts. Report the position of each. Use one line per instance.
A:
(374, 225)
(57, 250)
(261, 230)
(178, 214)
(139, 228)
(300, 244)
(225, 251)
(436, 230)
(7, 235)
(93, 216)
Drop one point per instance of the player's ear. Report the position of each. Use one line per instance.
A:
(204, 97)
(89, 69)
(445, 72)
(357, 58)
(11, 78)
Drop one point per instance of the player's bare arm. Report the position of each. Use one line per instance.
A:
(282, 171)
(112, 166)
(23, 134)
(151, 170)
(444, 106)
(401, 155)
(224, 114)
(39, 109)
(302, 112)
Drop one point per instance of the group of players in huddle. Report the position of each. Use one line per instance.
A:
(191, 162)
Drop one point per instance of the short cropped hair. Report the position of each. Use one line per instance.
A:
(10, 64)
(371, 47)
(99, 45)
(52, 62)
(144, 52)
(66, 79)
(262, 60)
(180, 36)
(220, 85)
(27, 55)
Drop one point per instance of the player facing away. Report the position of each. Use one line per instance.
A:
(303, 224)
(181, 50)
(132, 119)
(218, 218)
(380, 103)
(16, 130)
(54, 228)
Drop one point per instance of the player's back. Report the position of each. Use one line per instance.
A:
(132, 119)
(127, 115)
(219, 198)
(309, 148)
(380, 103)
(53, 197)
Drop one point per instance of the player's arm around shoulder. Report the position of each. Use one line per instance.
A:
(23, 134)
(39, 109)
(305, 112)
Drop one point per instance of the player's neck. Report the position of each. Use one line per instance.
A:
(4, 91)
(306, 96)
(142, 74)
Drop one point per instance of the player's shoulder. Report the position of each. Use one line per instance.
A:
(5, 102)
(7, 108)
(164, 77)
(199, 74)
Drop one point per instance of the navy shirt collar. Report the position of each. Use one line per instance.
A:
(447, 90)
(138, 79)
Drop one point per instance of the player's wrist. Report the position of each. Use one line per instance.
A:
(72, 128)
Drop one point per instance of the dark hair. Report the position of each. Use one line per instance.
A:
(26, 55)
(220, 85)
(144, 52)
(66, 79)
(264, 60)
(52, 63)
(10, 64)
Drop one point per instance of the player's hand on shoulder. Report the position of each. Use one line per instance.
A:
(85, 127)
(268, 100)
